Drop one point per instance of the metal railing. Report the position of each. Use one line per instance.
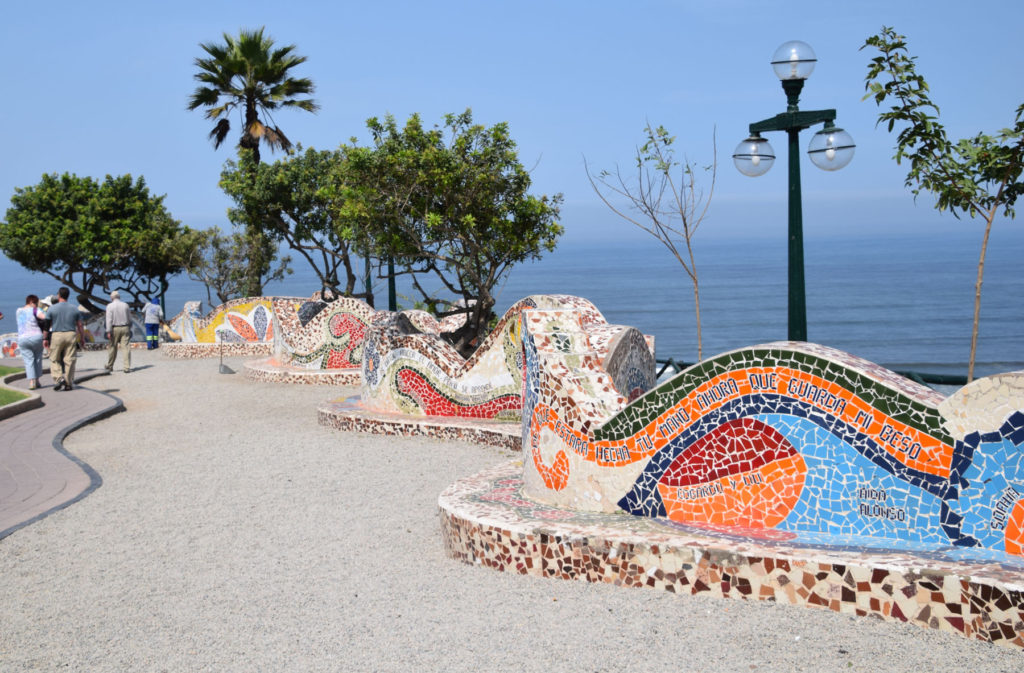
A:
(923, 378)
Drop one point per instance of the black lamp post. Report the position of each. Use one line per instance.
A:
(830, 149)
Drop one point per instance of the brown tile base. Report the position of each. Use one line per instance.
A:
(487, 521)
(105, 345)
(346, 414)
(269, 370)
(195, 351)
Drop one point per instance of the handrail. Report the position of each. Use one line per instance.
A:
(923, 378)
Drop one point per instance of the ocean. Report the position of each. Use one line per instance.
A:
(904, 301)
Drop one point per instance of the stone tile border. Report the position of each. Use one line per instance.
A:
(269, 370)
(195, 351)
(348, 415)
(33, 401)
(105, 345)
(486, 521)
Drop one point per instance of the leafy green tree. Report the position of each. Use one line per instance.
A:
(220, 262)
(453, 202)
(96, 237)
(978, 176)
(313, 203)
(247, 74)
(663, 199)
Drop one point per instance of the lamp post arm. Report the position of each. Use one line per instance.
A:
(793, 121)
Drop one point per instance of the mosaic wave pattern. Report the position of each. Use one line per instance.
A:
(782, 441)
(239, 321)
(409, 370)
(314, 334)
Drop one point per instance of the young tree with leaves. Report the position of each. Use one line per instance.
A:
(96, 237)
(220, 262)
(249, 76)
(978, 176)
(663, 199)
(453, 203)
(312, 202)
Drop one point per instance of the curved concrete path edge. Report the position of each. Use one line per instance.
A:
(33, 401)
(95, 480)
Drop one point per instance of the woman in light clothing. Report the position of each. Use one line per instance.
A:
(30, 339)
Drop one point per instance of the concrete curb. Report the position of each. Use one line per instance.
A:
(33, 401)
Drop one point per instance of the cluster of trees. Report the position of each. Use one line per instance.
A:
(96, 237)
(449, 201)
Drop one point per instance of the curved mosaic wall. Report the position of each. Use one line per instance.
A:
(787, 441)
(239, 321)
(314, 334)
(408, 369)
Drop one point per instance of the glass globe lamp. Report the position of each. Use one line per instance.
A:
(794, 60)
(831, 148)
(754, 156)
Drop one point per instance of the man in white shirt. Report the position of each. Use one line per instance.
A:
(119, 331)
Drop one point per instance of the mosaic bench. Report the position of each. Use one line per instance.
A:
(316, 342)
(415, 383)
(787, 471)
(239, 327)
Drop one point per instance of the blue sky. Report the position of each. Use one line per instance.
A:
(101, 87)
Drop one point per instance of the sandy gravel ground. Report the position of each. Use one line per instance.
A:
(232, 533)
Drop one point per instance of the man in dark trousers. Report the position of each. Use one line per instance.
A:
(66, 332)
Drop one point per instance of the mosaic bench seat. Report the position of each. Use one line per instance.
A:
(789, 472)
(316, 342)
(239, 327)
(410, 371)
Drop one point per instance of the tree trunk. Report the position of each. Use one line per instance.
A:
(696, 307)
(257, 239)
(977, 301)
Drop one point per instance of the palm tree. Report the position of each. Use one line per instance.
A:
(249, 75)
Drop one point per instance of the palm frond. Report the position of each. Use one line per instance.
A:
(308, 104)
(276, 139)
(203, 96)
(220, 132)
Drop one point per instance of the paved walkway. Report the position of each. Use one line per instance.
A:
(37, 476)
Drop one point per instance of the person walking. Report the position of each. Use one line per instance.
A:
(30, 339)
(66, 332)
(119, 331)
(153, 314)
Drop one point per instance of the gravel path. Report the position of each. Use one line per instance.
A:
(232, 533)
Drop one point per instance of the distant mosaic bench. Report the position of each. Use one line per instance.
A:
(486, 520)
(348, 415)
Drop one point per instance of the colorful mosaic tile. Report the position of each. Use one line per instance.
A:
(269, 370)
(348, 414)
(9, 345)
(807, 442)
(246, 320)
(489, 520)
(407, 370)
(313, 334)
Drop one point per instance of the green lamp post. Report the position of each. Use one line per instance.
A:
(830, 149)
